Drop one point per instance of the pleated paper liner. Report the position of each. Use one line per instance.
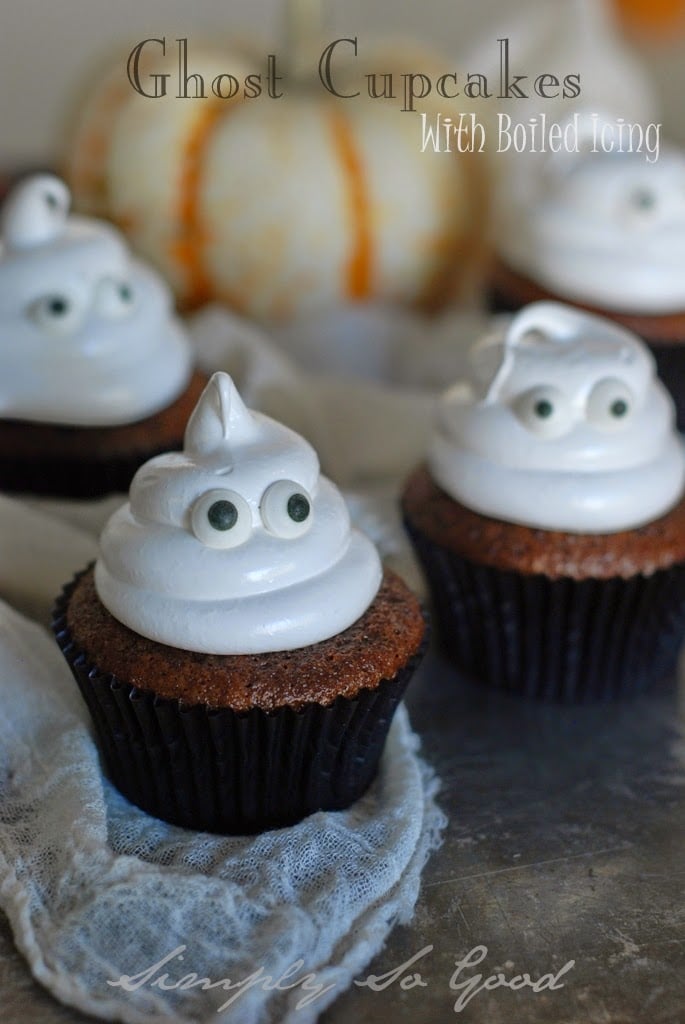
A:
(219, 770)
(670, 363)
(71, 477)
(565, 640)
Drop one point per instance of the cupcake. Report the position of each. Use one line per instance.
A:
(550, 517)
(238, 645)
(95, 370)
(606, 233)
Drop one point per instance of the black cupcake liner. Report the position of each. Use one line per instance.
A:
(565, 640)
(220, 770)
(62, 477)
(670, 364)
(499, 301)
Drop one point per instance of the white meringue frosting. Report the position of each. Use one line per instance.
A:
(87, 333)
(561, 424)
(237, 544)
(602, 229)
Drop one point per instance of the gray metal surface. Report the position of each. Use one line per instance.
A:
(566, 841)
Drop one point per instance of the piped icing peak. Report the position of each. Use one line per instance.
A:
(601, 228)
(36, 212)
(561, 424)
(237, 544)
(219, 419)
(87, 333)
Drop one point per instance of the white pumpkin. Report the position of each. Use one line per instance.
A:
(278, 207)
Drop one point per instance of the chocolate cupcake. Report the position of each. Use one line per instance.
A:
(605, 232)
(237, 643)
(550, 517)
(95, 371)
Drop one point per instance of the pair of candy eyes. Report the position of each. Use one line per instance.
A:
(60, 313)
(222, 519)
(548, 412)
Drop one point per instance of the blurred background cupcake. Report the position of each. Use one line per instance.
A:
(96, 372)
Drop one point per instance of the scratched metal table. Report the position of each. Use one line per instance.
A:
(566, 842)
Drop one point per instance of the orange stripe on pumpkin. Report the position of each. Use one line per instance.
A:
(658, 17)
(188, 248)
(88, 175)
(358, 270)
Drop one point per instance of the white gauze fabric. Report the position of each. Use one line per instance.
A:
(95, 889)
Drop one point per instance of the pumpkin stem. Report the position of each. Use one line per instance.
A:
(304, 21)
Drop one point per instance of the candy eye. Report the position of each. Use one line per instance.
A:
(610, 404)
(545, 411)
(644, 200)
(221, 519)
(286, 509)
(114, 298)
(58, 313)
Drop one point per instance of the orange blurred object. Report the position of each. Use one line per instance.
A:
(655, 17)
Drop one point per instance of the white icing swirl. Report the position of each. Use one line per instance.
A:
(607, 229)
(561, 424)
(87, 334)
(236, 545)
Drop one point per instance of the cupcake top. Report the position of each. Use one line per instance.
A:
(87, 333)
(237, 544)
(602, 229)
(561, 424)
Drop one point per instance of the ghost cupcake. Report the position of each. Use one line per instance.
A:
(95, 370)
(238, 644)
(605, 232)
(550, 516)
